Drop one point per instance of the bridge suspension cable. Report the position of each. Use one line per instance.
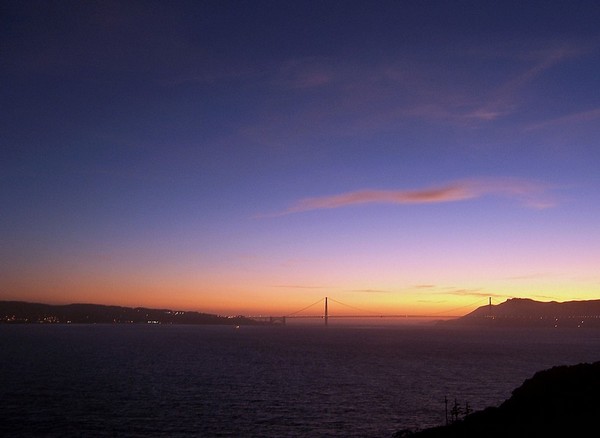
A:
(478, 302)
(354, 308)
(305, 308)
(369, 313)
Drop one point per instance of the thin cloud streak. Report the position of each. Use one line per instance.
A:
(294, 286)
(471, 293)
(575, 118)
(349, 97)
(528, 193)
(504, 100)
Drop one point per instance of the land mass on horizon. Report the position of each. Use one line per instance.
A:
(515, 312)
(22, 312)
(525, 312)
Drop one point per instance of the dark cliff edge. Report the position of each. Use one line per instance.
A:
(20, 312)
(523, 312)
(563, 401)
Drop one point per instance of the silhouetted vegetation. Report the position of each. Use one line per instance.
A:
(563, 401)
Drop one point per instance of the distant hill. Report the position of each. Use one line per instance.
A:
(560, 402)
(523, 312)
(16, 312)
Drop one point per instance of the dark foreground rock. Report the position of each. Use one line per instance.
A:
(563, 401)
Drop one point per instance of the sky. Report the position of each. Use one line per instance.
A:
(253, 157)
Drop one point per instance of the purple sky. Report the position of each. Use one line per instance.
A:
(241, 157)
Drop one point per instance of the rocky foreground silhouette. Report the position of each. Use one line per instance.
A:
(563, 401)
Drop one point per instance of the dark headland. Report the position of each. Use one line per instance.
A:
(20, 312)
(524, 312)
(563, 401)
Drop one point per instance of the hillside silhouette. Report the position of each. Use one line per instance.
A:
(559, 402)
(524, 312)
(16, 312)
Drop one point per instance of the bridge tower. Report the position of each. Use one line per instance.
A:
(326, 313)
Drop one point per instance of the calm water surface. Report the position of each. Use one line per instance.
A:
(206, 381)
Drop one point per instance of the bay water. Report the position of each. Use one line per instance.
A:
(266, 381)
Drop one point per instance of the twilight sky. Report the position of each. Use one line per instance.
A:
(255, 156)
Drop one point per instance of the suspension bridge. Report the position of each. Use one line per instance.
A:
(326, 315)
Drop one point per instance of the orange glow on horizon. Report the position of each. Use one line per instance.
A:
(420, 300)
(282, 293)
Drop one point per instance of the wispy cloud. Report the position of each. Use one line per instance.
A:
(471, 293)
(530, 276)
(434, 290)
(371, 291)
(297, 286)
(529, 193)
(304, 73)
(503, 100)
(335, 98)
(575, 118)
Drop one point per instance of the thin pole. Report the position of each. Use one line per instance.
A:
(446, 403)
(326, 312)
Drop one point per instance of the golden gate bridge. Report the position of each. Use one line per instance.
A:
(326, 315)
